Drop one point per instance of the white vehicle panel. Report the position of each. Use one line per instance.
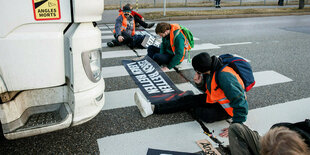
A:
(86, 11)
(37, 52)
(14, 13)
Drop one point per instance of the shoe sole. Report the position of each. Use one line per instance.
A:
(138, 98)
(138, 103)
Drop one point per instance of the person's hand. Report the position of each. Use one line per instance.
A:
(165, 69)
(120, 38)
(197, 78)
(224, 133)
(142, 19)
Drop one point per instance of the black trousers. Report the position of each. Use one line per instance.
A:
(131, 41)
(140, 21)
(196, 104)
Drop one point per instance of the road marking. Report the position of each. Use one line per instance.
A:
(231, 44)
(107, 37)
(114, 101)
(182, 136)
(269, 77)
(103, 28)
(196, 38)
(109, 72)
(110, 25)
(122, 53)
(126, 53)
(106, 32)
(104, 44)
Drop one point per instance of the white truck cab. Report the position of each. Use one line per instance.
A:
(50, 65)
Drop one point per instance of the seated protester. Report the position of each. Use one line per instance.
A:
(225, 102)
(138, 18)
(124, 31)
(282, 139)
(172, 49)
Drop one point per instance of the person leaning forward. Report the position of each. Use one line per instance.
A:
(217, 103)
(124, 31)
(282, 139)
(173, 47)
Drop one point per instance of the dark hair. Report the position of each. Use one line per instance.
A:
(162, 27)
(126, 8)
(127, 5)
(202, 62)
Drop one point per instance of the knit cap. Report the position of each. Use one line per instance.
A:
(126, 9)
(202, 62)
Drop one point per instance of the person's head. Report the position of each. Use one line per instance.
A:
(202, 63)
(283, 141)
(126, 10)
(163, 29)
(128, 5)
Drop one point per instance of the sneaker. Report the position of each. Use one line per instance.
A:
(143, 105)
(150, 25)
(110, 44)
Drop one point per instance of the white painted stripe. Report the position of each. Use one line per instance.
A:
(125, 53)
(231, 44)
(236, 55)
(109, 72)
(269, 77)
(103, 28)
(122, 53)
(110, 25)
(182, 137)
(196, 38)
(104, 44)
(179, 137)
(106, 32)
(107, 37)
(262, 119)
(114, 101)
(204, 47)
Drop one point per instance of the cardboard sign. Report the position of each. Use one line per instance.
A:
(152, 81)
(207, 147)
(149, 39)
(46, 9)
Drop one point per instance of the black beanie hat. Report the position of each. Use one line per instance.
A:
(126, 8)
(202, 62)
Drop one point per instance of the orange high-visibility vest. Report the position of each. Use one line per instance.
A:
(124, 25)
(216, 94)
(187, 47)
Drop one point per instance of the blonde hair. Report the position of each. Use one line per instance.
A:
(283, 141)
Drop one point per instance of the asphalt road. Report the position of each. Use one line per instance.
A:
(280, 44)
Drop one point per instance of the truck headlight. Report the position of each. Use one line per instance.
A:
(91, 63)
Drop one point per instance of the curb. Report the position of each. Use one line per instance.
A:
(227, 16)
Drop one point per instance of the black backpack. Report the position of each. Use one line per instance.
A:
(302, 128)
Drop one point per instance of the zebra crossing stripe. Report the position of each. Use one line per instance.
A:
(106, 32)
(122, 53)
(126, 53)
(107, 37)
(113, 101)
(109, 72)
(182, 136)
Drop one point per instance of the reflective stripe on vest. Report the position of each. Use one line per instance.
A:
(175, 27)
(124, 25)
(216, 95)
